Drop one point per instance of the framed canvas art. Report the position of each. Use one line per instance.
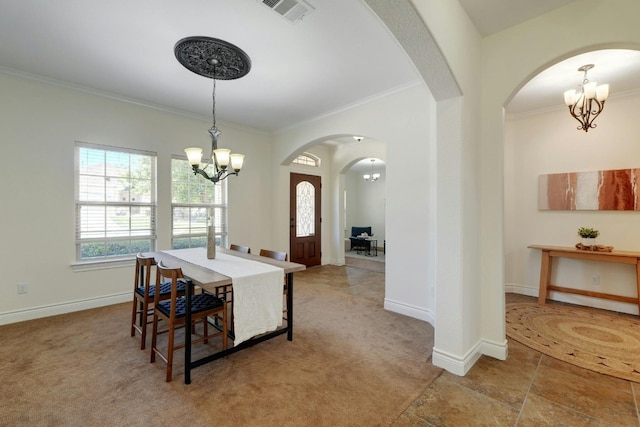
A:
(611, 190)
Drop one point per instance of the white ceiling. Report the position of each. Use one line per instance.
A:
(337, 56)
(492, 16)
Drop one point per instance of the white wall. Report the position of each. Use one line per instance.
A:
(549, 143)
(399, 123)
(40, 123)
(509, 59)
(468, 319)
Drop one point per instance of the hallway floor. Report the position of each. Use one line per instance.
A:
(528, 389)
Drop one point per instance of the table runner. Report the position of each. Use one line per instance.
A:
(257, 290)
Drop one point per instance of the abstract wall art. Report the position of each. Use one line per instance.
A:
(610, 190)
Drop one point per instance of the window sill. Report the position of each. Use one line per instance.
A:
(81, 266)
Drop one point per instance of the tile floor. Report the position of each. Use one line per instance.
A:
(528, 389)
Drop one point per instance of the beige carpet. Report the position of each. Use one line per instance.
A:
(602, 341)
(351, 363)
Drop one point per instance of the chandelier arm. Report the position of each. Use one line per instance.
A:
(586, 113)
(593, 114)
(214, 178)
(600, 105)
(572, 111)
(218, 176)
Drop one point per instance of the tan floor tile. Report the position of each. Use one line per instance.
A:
(446, 403)
(598, 401)
(594, 377)
(507, 381)
(538, 411)
(520, 353)
(410, 420)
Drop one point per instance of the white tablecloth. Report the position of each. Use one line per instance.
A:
(257, 290)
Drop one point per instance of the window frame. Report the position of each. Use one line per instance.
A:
(221, 208)
(307, 159)
(131, 206)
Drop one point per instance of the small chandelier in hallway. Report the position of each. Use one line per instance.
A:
(371, 177)
(586, 105)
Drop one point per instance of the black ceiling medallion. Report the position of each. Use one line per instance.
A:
(213, 58)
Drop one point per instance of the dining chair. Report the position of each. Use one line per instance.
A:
(144, 294)
(240, 248)
(226, 291)
(173, 312)
(280, 256)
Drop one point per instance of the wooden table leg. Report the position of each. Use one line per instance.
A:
(545, 276)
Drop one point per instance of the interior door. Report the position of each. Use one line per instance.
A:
(304, 206)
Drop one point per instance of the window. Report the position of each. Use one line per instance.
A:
(193, 199)
(307, 159)
(115, 194)
(305, 209)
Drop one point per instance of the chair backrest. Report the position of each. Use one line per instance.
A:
(172, 274)
(143, 272)
(356, 231)
(280, 256)
(240, 248)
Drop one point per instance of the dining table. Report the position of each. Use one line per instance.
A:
(208, 274)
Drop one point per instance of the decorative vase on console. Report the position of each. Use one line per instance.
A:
(211, 239)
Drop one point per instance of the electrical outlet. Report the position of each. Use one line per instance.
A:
(23, 288)
(595, 279)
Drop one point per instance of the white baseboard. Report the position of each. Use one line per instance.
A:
(62, 308)
(410, 310)
(461, 365)
(604, 304)
(515, 288)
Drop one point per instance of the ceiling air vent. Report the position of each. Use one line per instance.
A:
(292, 10)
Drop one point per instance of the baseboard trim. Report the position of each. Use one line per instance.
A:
(63, 308)
(604, 304)
(515, 288)
(461, 365)
(410, 310)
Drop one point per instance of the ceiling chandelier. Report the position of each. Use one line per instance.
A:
(586, 105)
(371, 177)
(217, 60)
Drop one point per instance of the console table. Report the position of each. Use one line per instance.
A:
(550, 252)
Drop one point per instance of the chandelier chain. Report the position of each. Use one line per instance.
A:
(213, 108)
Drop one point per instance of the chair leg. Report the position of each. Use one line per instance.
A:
(154, 338)
(144, 317)
(170, 352)
(133, 316)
